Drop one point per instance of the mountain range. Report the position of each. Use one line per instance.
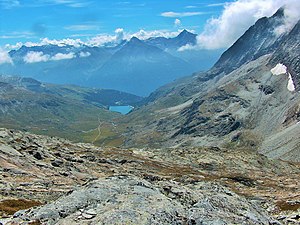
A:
(134, 66)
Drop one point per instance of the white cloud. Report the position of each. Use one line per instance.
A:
(46, 41)
(15, 46)
(182, 14)
(191, 7)
(216, 4)
(238, 16)
(99, 40)
(4, 57)
(82, 35)
(292, 15)
(187, 47)
(63, 42)
(8, 4)
(102, 39)
(35, 57)
(82, 27)
(18, 34)
(62, 56)
(119, 34)
(177, 22)
(69, 3)
(143, 35)
(84, 54)
(79, 4)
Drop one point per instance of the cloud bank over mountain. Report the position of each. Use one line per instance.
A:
(35, 57)
(101, 39)
(4, 57)
(239, 15)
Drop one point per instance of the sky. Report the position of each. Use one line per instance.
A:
(218, 22)
(31, 20)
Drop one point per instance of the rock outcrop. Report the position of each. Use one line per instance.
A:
(84, 184)
(131, 200)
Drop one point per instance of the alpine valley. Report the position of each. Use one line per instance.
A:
(143, 65)
(217, 147)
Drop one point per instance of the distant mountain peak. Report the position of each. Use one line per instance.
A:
(279, 13)
(135, 40)
(186, 33)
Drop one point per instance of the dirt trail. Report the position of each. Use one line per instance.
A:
(99, 130)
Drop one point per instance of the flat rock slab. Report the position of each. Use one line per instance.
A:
(9, 150)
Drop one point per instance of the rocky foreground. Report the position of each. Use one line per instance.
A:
(46, 180)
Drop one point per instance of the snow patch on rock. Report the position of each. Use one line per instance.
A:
(291, 86)
(279, 69)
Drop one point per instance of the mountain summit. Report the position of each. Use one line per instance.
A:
(183, 38)
(135, 41)
(258, 40)
(140, 65)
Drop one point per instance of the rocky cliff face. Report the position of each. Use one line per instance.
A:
(288, 54)
(260, 39)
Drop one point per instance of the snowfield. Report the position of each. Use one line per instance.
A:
(281, 69)
(291, 86)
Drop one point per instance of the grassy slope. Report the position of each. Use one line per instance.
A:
(64, 116)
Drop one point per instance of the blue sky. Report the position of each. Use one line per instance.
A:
(32, 20)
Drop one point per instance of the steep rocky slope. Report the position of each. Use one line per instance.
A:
(288, 54)
(258, 40)
(84, 184)
(245, 105)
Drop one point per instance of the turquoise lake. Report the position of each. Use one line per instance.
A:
(123, 109)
